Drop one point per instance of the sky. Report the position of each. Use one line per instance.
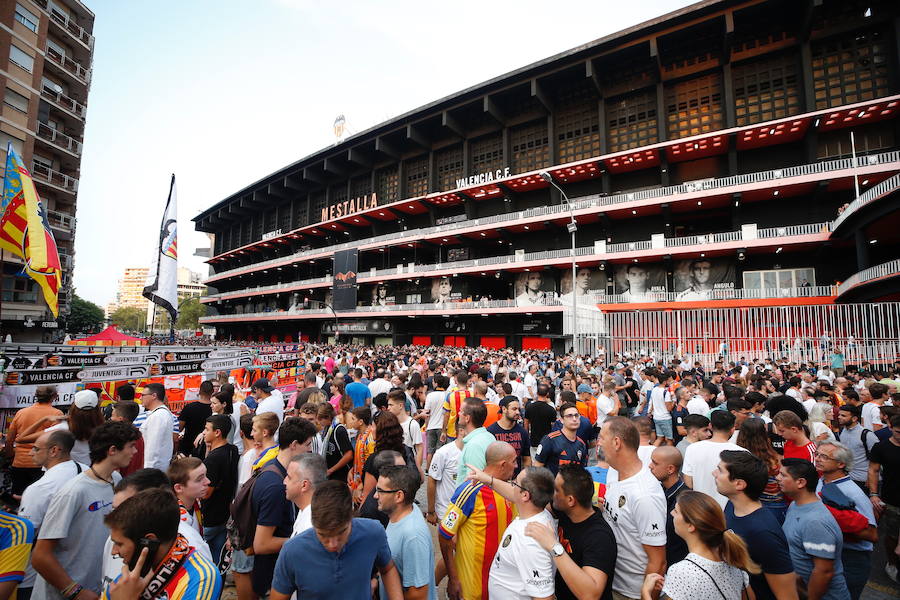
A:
(224, 92)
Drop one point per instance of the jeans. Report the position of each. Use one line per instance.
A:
(857, 564)
(215, 536)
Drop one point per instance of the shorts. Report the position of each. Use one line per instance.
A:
(664, 428)
(889, 524)
(240, 562)
(433, 439)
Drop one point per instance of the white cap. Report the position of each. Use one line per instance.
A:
(85, 399)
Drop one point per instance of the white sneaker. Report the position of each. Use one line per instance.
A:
(891, 571)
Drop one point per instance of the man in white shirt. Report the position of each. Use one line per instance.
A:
(412, 433)
(607, 403)
(381, 384)
(268, 398)
(304, 473)
(701, 458)
(871, 411)
(661, 404)
(531, 383)
(442, 479)
(794, 390)
(434, 402)
(522, 569)
(157, 428)
(518, 388)
(50, 452)
(634, 508)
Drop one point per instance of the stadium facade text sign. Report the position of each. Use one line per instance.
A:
(486, 177)
(349, 207)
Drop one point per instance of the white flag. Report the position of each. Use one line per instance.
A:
(162, 280)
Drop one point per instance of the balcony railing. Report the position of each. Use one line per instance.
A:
(583, 203)
(874, 193)
(68, 65)
(888, 269)
(54, 178)
(64, 101)
(63, 20)
(59, 139)
(543, 256)
(552, 301)
(61, 221)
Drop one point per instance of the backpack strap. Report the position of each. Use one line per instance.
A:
(862, 438)
(711, 578)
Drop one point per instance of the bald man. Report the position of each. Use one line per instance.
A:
(665, 464)
(477, 516)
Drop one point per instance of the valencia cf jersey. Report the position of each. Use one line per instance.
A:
(556, 450)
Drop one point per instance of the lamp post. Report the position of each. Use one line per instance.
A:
(572, 227)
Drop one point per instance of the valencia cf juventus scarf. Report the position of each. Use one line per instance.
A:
(170, 566)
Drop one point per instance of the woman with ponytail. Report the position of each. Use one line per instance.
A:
(717, 564)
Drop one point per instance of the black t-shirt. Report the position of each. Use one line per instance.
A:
(679, 413)
(676, 547)
(887, 454)
(272, 510)
(766, 544)
(541, 416)
(632, 392)
(590, 543)
(221, 470)
(516, 437)
(338, 444)
(194, 416)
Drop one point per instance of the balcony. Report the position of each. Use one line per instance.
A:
(509, 306)
(64, 102)
(55, 179)
(68, 65)
(593, 204)
(61, 221)
(875, 193)
(748, 236)
(59, 139)
(878, 274)
(68, 25)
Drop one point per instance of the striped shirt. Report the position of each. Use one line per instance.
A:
(197, 579)
(16, 537)
(477, 516)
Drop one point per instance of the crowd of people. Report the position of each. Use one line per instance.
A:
(504, 475)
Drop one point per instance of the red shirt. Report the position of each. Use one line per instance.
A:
(807, 452)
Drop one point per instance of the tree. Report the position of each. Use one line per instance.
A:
(84, 316)
(130, 318)
(189, 314)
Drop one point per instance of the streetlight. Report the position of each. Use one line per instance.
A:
(572, 226)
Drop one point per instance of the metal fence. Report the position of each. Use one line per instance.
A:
(863, 332)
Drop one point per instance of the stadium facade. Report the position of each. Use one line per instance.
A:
(731, 169)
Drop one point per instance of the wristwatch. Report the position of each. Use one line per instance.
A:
(557, 550)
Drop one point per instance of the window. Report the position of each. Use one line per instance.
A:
(850, 69)
(19, 57)
(632, 122)
(388, 185)
(766, 90)
(6, 139)
(487, 154)
(417, 177)
(18, 287)
(577, 125)
(694, 106)
(46, 163)
(16, 100)
(27, 18)
(449, 165)
(529, 147)
(779, 279)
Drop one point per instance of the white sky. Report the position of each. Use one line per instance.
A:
(224, 92)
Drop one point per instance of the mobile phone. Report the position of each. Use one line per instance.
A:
(152, 545)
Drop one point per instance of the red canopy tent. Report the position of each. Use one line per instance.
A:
(109, 337)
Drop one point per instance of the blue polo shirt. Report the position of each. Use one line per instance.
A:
(358, 392)
(305, 567)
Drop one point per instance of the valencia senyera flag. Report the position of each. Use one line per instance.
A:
(25, 231)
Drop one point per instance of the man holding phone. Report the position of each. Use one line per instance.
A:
(144, 532)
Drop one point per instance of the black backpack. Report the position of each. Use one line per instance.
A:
(241, 525)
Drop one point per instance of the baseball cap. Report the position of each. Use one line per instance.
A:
(619, 366)
(262, 384)
(85, 400)
(584, 388)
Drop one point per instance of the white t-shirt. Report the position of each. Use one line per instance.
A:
(530, 386)
(794, 393)
(700, 460)
(245, 465)
(234, 436)
(697, 406)
(158, 443)
(272, 404)
(444, 465)
(412, 432)
(378, 386)
(433, 402)
(36, 498)
(658, 398)
(703, 578)
(303, 521)
(518, 390)
(604, 406)
(636, 511)
(522, 569)
(81, 452)
(871, 415)
(644, 453)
